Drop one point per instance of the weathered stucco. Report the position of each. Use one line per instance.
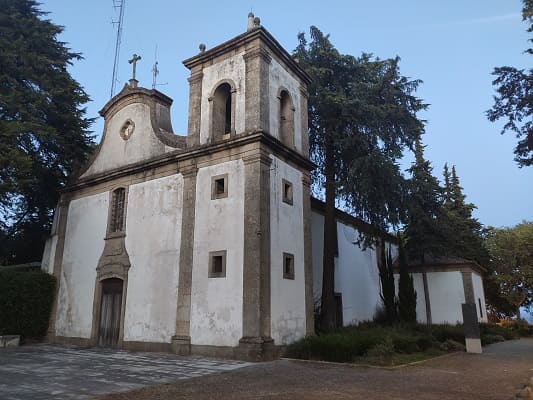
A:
(281, 79)
(479, 296)
(418, 284)
(116, 152)
(86, 229)
(153, 231)
(286, 227)
(216, 303)
(232, 71)
(446, 296)
(357, 277)
(47, 263)
(356, 273)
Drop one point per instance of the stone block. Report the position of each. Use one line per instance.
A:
(9, 341)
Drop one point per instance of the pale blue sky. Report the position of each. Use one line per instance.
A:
(452, 46)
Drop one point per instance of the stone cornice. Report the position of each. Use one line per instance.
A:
(181, 157)
(260, 34)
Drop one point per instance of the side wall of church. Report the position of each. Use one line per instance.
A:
(418, 284)
(153, 233)
(356, 273)
(233, 71)
(286, 227)
(279, 78)
(446, 295)
(216, 303)
(479, 296)
(86, 228)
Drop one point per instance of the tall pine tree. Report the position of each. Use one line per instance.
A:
(464, 233)
(43, 130)
(424, 232)
(406, 289)
(362, 115)
(514, 102)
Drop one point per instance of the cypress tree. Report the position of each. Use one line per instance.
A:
(424, 232)
(464, 233)
(388, 292)
(406, 290)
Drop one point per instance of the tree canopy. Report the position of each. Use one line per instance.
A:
(463, 232)
(514, 102)
(43, 129)
(362, 116)
(424, 231)
(510, 278)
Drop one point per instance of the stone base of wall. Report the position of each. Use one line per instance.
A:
(74, 341)
(7, 341)
(249, 349)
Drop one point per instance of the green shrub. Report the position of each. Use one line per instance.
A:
(490, 338)
(382, 353)
(444, 332)
(338, 347)
(405, 344)
(378, 343)
(507, 332)
(452, 345)
(25, 303)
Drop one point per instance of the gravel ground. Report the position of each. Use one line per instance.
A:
(499, 373)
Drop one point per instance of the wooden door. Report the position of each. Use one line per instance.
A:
(110, 312)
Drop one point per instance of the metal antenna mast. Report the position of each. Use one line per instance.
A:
(120, 5)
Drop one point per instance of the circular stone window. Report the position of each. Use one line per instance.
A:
(127, 129)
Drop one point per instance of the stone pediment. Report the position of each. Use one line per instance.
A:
(137, 128)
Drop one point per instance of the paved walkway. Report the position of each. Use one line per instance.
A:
(42, 372)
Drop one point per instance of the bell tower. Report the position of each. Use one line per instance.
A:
(252, 234)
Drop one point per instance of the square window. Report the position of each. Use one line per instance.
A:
(288, 266)
(286, 188)
(219, 187)
(217, 264)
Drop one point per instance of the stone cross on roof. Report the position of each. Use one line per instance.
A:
(133, 61)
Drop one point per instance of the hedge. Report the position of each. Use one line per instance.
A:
(25, 303)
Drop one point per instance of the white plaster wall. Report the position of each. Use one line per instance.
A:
(356, 273)
(446, 295)
(153, 233)
(232, 68)
(49, 253)
(287, 230)
(86, 229)
(479, 295)
(279, 77)
(418, 283)
(142, 145)
(357, 277)
(216, 303)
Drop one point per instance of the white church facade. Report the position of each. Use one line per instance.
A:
(207, 243)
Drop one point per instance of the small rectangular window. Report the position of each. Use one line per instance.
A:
(217, 264)
(219, 187)
(286, 188)
(288, 266)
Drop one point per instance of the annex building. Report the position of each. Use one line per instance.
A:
(210, 243)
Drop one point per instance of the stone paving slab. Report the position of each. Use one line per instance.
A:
(40, 372)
